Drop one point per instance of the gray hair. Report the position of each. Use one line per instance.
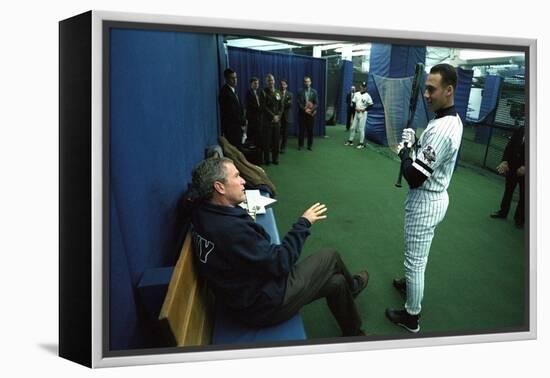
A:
(206, 173)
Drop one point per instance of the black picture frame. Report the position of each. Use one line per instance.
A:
(84, 189)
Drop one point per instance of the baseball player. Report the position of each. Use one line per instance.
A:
(428, 169)
(363, 102)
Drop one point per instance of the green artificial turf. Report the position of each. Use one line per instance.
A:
(475, 278)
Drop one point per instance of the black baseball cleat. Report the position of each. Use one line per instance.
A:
(404, 319)
(400, 284)
(362, 280)
(498, 214)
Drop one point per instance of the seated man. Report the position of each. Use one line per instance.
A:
(260, 283)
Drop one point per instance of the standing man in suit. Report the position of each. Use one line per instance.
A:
(287, 118)
(233, 121)
(272, 109)
(513, 167)
(350, 107)
(253, 115)
(307, 107)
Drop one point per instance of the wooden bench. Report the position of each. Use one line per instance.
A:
(187, 311)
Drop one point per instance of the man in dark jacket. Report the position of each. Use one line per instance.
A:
(513, 167)
(261, 283)
(307, 108)
(253, 113)
(272, 110)
(287, 117)
(233, 122)
(350, 107)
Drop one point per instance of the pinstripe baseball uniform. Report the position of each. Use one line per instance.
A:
(362, 102)
(429, 173)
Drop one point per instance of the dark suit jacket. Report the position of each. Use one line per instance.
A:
(514, 153)
(252, 106)
(231, 111)
(351, 104)
(302, 99)
(287, 107)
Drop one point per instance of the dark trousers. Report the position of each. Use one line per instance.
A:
(284, 134)
(321, 275)
(512, 179)
(348, 120)
(305, 127)
(271, 135)
(253, 132)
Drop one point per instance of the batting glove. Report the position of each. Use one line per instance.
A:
(408, 136)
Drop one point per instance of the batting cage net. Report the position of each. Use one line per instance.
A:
(483, 144)
(395, 94)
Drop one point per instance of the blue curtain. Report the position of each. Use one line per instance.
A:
(163, 96)
(487, 110)
(346, 81)
(462, 94)
(248, 63)
(489, 98)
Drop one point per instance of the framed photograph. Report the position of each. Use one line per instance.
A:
(430, 233)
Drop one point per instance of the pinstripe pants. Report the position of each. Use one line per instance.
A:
(423, 212)
(358, 126)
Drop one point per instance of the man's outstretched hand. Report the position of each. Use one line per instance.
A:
(315, 213)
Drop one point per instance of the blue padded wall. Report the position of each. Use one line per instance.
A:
(163, 101)
(391, 61)
(489, 97)
(462, 93)
(248, 63)
(346, 81)
(487, 110)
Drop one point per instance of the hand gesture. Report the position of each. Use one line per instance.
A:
(503, 168)
(408, 136)
(315, 213)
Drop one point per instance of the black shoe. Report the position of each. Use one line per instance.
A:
(282, 151)
(498, 214)
(267, 163)
(362, 279)
(275, 162)
(309, 148)
(300, 148)
(404, 319)
(400, 284)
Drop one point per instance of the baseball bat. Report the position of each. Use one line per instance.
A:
(418, 73)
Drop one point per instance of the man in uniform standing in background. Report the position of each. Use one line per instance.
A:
(272, 110)
(362, 102)
(286, 119)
